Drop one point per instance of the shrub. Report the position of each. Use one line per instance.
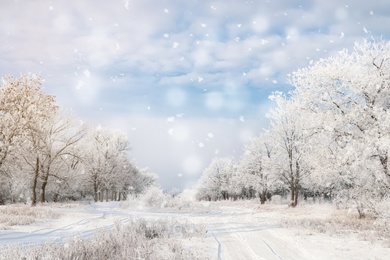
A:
(154, 197)
(382, 210)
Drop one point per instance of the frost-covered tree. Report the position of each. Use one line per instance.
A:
(215, 182)
(142, 179)
(25, 112)
(349, 94)
(104, 158)
(290, 133)
(57, 150)
(256, 167)
(22, 103)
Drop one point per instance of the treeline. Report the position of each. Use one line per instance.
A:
(49, 155)
(329, 136)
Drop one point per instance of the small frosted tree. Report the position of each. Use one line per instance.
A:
(256, 167)
(215, 182)
(103, 159)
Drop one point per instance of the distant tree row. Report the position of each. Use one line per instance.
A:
(329, 136)
(49, 155)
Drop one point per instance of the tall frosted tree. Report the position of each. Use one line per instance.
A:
(57, 149)
(349, 94)
(25, 110)
(290, 133)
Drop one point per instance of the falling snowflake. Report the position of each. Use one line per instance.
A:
(175, 45)
(87, 73)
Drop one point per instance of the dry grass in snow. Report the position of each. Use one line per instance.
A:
(138, 239)
(18, 215)
(326, 219)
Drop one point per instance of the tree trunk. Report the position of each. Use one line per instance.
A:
(55, 197)
(292, 181)
(34, 187)
(45, 179)
(383, 160)
(95, 188)
(96, 193)
(43, 190)
(296, 183)
(106, 195)
(263, 198)
(292, 187)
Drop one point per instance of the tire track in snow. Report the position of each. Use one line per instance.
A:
(35, 233)
(270, 248)
(219, 246)
(238, 237)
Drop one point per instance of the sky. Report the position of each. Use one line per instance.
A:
(186, 80)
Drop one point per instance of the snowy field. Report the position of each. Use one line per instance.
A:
(225, 230)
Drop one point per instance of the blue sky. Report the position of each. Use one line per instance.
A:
(187, 80)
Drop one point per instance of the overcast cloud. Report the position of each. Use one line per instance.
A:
(187, 80)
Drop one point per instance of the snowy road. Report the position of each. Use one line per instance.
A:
(240, 237)
(252, 234)
(233, 233)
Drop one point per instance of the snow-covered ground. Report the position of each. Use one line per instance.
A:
(235, 230)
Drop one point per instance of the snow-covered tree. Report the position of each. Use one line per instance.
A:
(142, 179)
(25, 112)
(104, 158)
(290, 133)
(57, 150)
(349, 95)
(256, 167)
(215, 182)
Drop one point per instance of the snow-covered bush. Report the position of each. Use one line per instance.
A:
(185, 199)
(154, 197)
(382, 210)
